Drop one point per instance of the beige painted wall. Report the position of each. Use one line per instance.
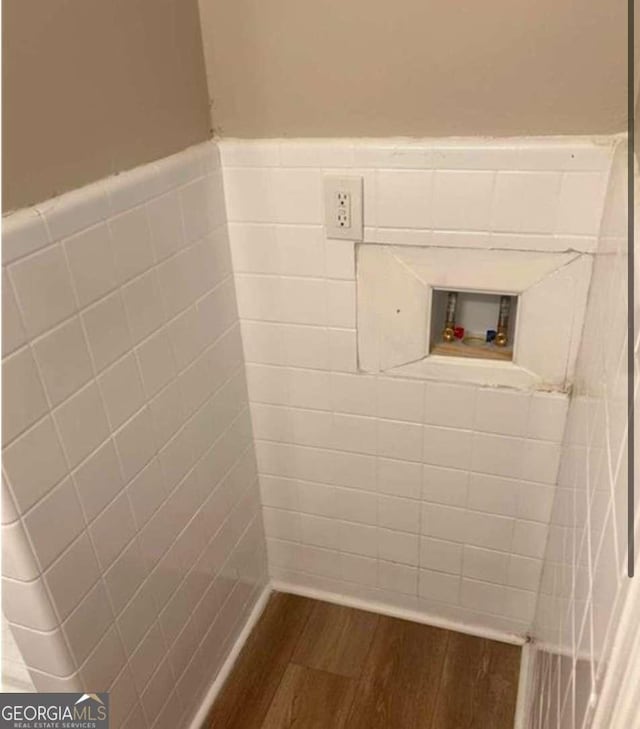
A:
(415, 67)
(93, 87)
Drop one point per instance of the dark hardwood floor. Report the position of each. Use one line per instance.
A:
(314, 665)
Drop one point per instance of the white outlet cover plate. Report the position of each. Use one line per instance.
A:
(353, 186)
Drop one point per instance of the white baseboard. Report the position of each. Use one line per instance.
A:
(525, 686)
(398, 612)
(207, 702)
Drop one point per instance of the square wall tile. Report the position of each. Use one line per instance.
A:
(494, 494)
(131, 243)
(580, 204)
(91, 263)
(502, 411)
(281, 524)
(156, 362)
(462, 199)
(439, 586)
(488, 530)
(165, 222)
(135, 443)
(526, 202)
(167, 412)
(107, 330)
(452, 406)
(400, 399)
(248, 195)
(445, 485)
(352, 393)
(399, 547)
(88, 623)
(121, 389)
(398, 514)
(105, 662)
(529, 538)
(354, 433)
(54, 522)
(296, 196)
(447, 447)
(483, 596)
(137, 617)
(63, 358)
(147, 492)
(547, 415)
(444, 522)
(319, 531)
(82, 423)
(362, 570)
(404, 198)
(340, 259)
(497, 455)
(540, 461)
(398, 578)
(98, 479)
(341, 304)
(399, 440)
(31, 477)
(125, 576)
(112, 529)
(13, 334)
(358, 539)
(524, 572)
(198, 208)
(308, 389)
(342, 350)
(293, 250)
(311, 498)
(72, 575)
(43, 289)
(186, 337)
(399, 478)
(147, 656)
(357, 506)
(143, 305)
(24, 400)
(485, 564)
(441, 555)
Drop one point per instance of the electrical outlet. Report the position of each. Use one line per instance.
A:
(342, 211)
(343, 207)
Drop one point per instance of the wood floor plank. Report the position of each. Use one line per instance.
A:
(245, 698)
(310, 699)
(399, 685)
(479, 684)
(336, 639)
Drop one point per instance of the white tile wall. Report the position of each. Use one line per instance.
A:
(136, 547)
(584, 584)
(421, 494)
(418, 494)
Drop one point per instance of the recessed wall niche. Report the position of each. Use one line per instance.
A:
(401, 308)
(473, 324)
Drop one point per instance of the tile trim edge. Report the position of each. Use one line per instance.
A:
(381, 608)
(525, 685)
(197, 722)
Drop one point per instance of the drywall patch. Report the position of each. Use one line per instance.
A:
(394, 298)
